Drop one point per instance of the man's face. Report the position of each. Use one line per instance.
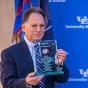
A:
(34, 27)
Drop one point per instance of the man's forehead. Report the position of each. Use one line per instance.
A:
(35, 15)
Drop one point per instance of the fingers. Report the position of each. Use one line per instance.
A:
(31, 80)
(60, 56)
(31, 74)
(39, 79)
(35, 80)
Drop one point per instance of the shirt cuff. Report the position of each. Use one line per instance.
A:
(59, 66)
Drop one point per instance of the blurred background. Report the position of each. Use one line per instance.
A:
(6, 23)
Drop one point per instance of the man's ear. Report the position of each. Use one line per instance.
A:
(23, 27)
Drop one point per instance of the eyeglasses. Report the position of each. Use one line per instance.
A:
(35, 26)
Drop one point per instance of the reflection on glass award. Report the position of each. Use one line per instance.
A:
(48, 51)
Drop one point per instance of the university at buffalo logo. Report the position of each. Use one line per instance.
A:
(84, 72)
(82, 20)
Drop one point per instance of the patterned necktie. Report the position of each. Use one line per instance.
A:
(39, 65)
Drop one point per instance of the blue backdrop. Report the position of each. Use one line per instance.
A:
(70, 27)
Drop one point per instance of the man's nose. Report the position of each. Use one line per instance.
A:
(38, 28)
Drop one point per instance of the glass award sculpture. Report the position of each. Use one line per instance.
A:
(48, 51)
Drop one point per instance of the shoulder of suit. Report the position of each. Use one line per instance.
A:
(14, 47)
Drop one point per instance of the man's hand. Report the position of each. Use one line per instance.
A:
(60, 56)
(31, 80)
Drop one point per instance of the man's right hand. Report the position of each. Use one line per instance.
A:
(31, 80)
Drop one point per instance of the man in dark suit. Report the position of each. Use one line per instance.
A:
(18, 61)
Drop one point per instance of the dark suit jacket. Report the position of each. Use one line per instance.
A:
(16, 64)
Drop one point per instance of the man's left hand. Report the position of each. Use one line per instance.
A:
(60, 56)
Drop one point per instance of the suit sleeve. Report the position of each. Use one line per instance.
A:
(62, 78)
(9, 77)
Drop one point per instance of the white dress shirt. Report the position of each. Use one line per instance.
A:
(32, 51)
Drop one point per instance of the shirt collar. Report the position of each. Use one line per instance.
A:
(29, 43)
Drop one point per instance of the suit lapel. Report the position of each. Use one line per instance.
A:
(27, 56)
